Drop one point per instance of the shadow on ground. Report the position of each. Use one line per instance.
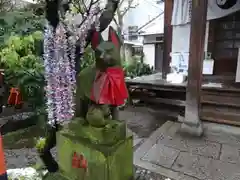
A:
(142, 120)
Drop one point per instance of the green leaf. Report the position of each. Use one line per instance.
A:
(24, 66)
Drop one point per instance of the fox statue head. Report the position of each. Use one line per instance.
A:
(107, 53)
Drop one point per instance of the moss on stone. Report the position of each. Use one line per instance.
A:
(24, 138)
(109, 134)
(113, 162)
(95, 117)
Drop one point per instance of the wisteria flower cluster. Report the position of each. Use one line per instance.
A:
(59, 62)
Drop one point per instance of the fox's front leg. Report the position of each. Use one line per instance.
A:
(114, 112)
(45, 154)
(85, 103)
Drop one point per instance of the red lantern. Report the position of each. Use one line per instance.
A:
(15, 97)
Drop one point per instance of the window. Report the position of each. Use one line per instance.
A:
(137, 50)
(132, 33)
(227, 39)
(159, 38)
(159, 1)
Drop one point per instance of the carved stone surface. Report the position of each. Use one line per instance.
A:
(214, 156)
(230, 154)
(205, 168)
(193, 145)
(192, 165)
(223, 170)
(223, 138)
(161, 155)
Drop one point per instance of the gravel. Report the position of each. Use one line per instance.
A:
(143, 174)
(20, 158)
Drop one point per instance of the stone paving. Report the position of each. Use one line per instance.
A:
(215, 156)
(20, 158)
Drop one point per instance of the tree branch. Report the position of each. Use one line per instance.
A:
(127, 9)
(115, 21)
(95, 2)
(85, 6)
(78, 7)
(120, 4)
(108, 14)
(6, 5)
(105, 19)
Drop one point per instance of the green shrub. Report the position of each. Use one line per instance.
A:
(88, 58)
(135, 67)
(20, 22)
(22, 60)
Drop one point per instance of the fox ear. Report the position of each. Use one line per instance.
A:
(96, 39)
(113, 37)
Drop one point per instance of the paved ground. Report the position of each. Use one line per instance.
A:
(141, 121)
(160, 149)
(28, 156)
(215, 156)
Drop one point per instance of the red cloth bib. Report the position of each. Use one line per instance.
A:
(109, 87)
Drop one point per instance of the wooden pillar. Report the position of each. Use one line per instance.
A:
(192, 123)
(168, 9)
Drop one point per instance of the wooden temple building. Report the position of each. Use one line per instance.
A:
(198, 27)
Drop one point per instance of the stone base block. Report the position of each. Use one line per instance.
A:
(98, 162)
(194, 130)
(110, 134)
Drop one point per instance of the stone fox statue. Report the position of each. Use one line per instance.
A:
(55, 9)
(102, 85)
(101, 90)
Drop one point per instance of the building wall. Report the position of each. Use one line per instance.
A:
(127, 48)
(224, 43)
(149, 49)
(181, 34)
(149, 54)
(22, 3)
(181, 38)
(151, 38)
(143, 13)
(181, 42)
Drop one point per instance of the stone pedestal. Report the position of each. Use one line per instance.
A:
(193, 128)
(112, 160)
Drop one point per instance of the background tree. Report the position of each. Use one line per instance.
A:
(123, 8)
(21, 21)
(21, 57)
(6, 5)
